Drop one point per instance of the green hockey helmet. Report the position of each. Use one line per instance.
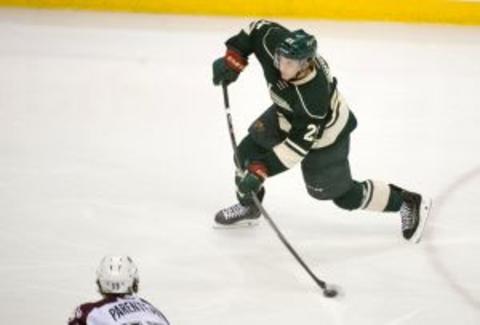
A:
(298, 46)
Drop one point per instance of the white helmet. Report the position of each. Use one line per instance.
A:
(117, 274)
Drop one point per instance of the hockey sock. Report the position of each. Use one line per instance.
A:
(371, 195)
(395, 200)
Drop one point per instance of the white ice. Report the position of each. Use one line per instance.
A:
(113, 140)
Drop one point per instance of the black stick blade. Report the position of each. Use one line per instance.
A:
(332, 291)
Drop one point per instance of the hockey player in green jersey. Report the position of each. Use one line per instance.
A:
(308, 123)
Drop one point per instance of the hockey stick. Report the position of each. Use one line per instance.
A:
(328, 290)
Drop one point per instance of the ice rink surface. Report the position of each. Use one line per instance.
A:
(113, 140)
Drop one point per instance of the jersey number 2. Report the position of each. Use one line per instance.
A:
(310, 135)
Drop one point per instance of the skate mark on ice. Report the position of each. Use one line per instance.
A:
(433, 251)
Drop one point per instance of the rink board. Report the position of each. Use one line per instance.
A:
(466, 12)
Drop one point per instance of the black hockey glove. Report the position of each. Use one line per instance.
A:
(227, 68)
(251, 182)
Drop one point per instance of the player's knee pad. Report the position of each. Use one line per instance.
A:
(352, 199)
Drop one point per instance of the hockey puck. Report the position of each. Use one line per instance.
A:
(330, 293)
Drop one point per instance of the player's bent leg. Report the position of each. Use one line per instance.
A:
(370, 195)
(266, 130)
(246, 214)
(352, 199)
(249, 150)
(414, 208)
(326, 172)
(381, 197)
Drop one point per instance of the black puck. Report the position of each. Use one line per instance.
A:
(330, 293)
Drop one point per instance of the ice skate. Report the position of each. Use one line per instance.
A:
(414, 212)
(237, 215)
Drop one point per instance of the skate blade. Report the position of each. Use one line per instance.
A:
(241, 224)
(425, 208)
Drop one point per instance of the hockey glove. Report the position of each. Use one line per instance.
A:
(251, 182)
(226, 69)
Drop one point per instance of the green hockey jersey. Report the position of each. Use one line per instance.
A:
(310, 111)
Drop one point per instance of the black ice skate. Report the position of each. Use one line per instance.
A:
(237, 215)
(414, 212)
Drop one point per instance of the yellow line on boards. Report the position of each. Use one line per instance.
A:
(429, 11)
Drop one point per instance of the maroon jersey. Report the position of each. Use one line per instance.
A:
(118, 310)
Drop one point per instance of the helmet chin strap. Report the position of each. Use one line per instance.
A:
(299, 75)
(302, 73)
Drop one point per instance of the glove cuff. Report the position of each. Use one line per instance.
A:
(235, 60)
(258, 169)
